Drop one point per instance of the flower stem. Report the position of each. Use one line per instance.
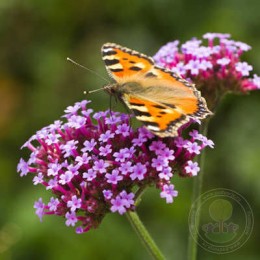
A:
(197, 188)
(144, 235)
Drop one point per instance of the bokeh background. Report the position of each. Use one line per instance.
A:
(37, 84)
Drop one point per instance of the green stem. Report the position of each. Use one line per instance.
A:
(144, 235)
(139, 193)
(197, 188)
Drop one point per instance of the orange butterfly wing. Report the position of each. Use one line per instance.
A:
(122, 63)
(157, 118)
(159, 98)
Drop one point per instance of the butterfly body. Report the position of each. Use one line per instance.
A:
(159, 98)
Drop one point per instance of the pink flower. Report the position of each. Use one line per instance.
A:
(168, 193)
(215, 67)
(97, 166)
(192, 168)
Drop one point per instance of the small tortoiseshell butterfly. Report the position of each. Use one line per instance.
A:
(162, 100)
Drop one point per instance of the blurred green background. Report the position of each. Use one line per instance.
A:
(37, 84)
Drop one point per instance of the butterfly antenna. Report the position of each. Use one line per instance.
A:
(92, 71)
(96, 90)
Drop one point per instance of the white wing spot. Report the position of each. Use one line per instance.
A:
(145, 118)
(115, 66)
(153, 128)
(107, 49)
(139, 65)
(139, 108)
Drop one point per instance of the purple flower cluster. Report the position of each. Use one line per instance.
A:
(95, 163)
(215, 67)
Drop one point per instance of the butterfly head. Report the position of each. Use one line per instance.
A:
(111, 89)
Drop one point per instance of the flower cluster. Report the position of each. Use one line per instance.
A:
(216, 68)
(95, 163)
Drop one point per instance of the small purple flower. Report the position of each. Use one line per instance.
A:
(180, 142)
(157, 146)
(243, 46)
(76, 121)
(202, 52)
(87, 112)
(79, 230)
(205, 65)
(52, 138)
(194, 67)
(112, 120)
(114, 177)
(100, 166)
(192, 147)
(128, 198)
(72, 109)
(139, 141)
(64, 164)
(42, 134)
(190, 46)
(139, 170)
(66, 177)
(38, 178)
(179, 68)
(192, 167)
(166, 173)
(168, 193)
(159, 163)
(74, 203)
(164, 51)
(223, 61)
(71, 218)
(107, 194)
(83, 159)
(105, 150)
(100, 114)
(195, 134)
(243, 68)
(118, 204)
(125, 168)
(123, 129)
(83, 104)
(53, 169)
(167, 154)
(73, 169)
(211, 36)
(121, 155)
(33, 158)
(53, 204)
(52, 183)
(145, 133)
(55, 126)
(106, 136)
(69, 147)
(89, 145)
(90, 175)
(23, 167)
(39, 206)
(207, 142)
(256, 81)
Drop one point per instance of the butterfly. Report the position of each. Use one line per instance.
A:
(161, 99)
